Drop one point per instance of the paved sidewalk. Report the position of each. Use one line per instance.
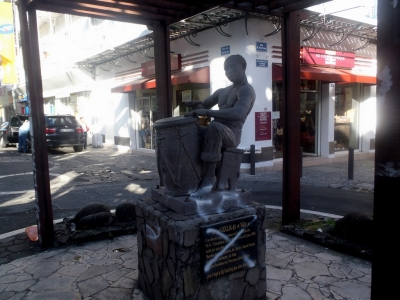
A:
(108, 269)
(335, 175)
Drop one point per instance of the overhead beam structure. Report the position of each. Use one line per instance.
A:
(159, 15)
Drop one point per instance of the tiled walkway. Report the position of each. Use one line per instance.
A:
(108, 269)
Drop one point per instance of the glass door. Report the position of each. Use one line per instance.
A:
(277, 129)
(309, 97)
(309, 114)
(347, 107)
(143, 109)
(147, 111)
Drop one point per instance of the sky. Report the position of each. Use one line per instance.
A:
(358, 10)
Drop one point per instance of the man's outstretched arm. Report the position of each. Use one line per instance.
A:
(203, 106)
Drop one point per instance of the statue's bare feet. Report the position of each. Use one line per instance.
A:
(205, 188)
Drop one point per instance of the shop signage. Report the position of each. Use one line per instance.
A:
(149, 69)
(6, 29)
(263, 126)
(7, 44)
(261, 63)
(322, 57)
(228, 247)
(225, 50)
(186, 96)
(261, 47)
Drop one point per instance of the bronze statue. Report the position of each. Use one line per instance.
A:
(235, 103)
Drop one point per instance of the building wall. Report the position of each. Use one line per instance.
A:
(368, 119)
(111, 113)
(243, 43)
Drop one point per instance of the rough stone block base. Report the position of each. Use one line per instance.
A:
(172, 260)
(187, 205)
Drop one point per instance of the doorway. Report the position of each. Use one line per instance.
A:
(347, 109)
(309, 97)
(147, 111)
(309, 100)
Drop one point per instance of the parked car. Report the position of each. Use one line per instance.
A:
(64, 131)
(10, 135)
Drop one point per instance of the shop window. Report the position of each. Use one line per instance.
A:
(346, 117)
(182, 97)
(309, 100)
(277, 128)
(309, 96)
(147, 112)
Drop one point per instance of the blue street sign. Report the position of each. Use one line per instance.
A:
(225, 50)
(262, 63)
(261, 47)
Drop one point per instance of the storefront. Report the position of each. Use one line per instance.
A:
(130, 94)
(322, 67)
(189, 84)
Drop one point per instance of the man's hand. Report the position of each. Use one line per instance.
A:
(197, 112)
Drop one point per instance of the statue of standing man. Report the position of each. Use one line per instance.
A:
(225, 130)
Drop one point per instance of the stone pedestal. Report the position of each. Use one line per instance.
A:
(207, 256)
(217, 201)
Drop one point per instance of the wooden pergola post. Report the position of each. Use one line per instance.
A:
(31, 58)
(162, 61)
(387, 154)
(291, 117)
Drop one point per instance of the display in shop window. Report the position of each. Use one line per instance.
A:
(346, 118)
(307, 130)
(278, 135)
(186, 96)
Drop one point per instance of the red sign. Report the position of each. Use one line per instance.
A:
(149, 68)
(263, 126)
(323, 57)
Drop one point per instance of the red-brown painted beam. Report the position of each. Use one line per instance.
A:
(291, 118)
(162, 60)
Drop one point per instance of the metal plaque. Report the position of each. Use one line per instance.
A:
(225, 50)
(229, 247)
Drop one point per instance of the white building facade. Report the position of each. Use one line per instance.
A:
(119, 100)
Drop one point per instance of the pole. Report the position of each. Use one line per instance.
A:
(252, 160)
(301, 162)
(351, 164)
(31, 60)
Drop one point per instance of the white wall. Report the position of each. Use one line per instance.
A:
(368, 118)
(121, 117)
(327, 111)
(109, 112)
(244, 44)
(212, 41)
